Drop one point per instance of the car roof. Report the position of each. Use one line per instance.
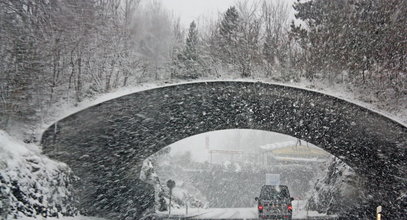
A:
(274, 186)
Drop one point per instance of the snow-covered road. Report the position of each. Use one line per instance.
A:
(61, 218)
(219, 213)
(299, 212)
(229, 213)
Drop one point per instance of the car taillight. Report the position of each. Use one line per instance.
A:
(260, 207)
(290, 207)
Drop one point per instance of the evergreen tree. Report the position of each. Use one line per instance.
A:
(188, 62)
(228, 37)
(191, 49)
(191, 56)
(365, 38)
(237, 40)
(323, 41)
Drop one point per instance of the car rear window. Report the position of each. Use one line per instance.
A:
(274, 192)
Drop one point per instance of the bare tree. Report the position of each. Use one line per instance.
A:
(276, 45)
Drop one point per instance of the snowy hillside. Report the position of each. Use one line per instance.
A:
(31, 183)
(182, 194)
(339, 190)
(66, 218)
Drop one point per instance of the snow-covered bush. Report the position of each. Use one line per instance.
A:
(32, 184)
(338, 191)
(182, 194)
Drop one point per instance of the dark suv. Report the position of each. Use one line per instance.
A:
(274, 202)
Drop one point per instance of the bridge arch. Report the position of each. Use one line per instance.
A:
(106, 143)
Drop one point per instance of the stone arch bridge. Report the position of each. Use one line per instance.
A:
(106, 143)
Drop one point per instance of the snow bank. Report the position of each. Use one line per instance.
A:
(31, 183)
(66, 218)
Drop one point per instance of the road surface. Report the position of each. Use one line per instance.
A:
(299, 212)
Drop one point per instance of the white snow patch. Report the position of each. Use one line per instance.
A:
(64, 218)
(37, 180)
(299, 212)
(14, 153)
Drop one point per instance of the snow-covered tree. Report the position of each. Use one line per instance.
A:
(189, 62)
(65, 51)
(357, 37)
(228, 35)
(338, 191)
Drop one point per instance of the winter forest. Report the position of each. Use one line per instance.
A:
(59, 54)
(55, 52)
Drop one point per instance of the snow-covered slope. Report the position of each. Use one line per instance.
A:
(339, 191)
(66, 218)
(32, 184)
(181, 194)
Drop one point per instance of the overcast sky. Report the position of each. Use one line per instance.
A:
(189, 10)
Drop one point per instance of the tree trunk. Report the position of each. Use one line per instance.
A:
(79, 79)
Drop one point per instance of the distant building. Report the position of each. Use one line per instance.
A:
(281, 152)
(292, 151)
